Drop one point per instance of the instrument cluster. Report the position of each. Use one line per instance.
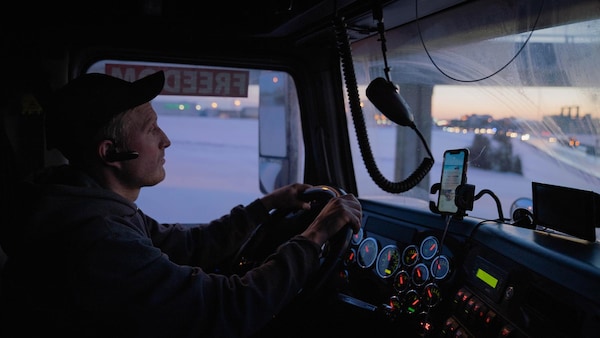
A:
(413, 271)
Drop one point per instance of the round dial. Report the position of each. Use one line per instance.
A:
(420, 274)
(402, 281)
(429, 247)
(440, 267)
(357, 237)
(412, 302)
(350, 257)
(388, 261)
(432, 294)
(367, 252)
(410, 255)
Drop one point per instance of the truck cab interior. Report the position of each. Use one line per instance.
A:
(364, 96)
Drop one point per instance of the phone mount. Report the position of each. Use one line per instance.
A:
(464, 198)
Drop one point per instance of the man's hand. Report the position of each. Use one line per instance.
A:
(288, 197)
(338, 212)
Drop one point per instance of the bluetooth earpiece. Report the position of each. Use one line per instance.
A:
(124, 156)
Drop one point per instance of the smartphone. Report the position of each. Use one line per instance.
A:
(454, 173)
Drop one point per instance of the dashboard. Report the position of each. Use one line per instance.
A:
(468, 278)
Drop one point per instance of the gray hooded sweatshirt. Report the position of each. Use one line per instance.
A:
(85, 262)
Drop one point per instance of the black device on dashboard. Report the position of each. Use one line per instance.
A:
(454, 174)
(568, 210)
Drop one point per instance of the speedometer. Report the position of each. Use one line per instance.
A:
(388, 261)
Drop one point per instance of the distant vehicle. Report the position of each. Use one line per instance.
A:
(265, 93)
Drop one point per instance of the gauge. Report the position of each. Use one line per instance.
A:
(357, 237)
(420, 274)
(440, 267)
(388, 261)
(412, 302)
(367, 252)
(431, 294)
(410, 255)
(429, 247)
(350, 257)
(395, 304)
(402, 281)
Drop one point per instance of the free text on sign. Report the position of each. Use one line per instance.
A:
(189, 81)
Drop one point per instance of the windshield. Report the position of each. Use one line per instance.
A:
(525, 104)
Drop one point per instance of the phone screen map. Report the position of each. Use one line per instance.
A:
(452, 176)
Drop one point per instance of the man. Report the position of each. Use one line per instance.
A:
(84, 261)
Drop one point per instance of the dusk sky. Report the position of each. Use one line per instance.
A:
(450, 102)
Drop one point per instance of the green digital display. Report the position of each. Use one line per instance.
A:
(486, 278)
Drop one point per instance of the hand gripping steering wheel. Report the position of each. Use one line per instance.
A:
(284, 224)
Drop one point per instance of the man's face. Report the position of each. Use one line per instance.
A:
(144, 136)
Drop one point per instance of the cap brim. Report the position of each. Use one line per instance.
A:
(146, 89)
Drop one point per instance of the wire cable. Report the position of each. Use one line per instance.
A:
(485, 77)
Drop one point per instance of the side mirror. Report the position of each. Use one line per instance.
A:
(279, 132)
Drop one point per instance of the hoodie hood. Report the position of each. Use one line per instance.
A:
(62, 198)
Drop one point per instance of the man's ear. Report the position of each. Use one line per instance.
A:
(109, 154)
(106, 150)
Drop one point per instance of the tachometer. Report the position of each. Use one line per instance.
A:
(388, 261)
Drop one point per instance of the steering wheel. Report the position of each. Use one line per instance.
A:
(284, 224)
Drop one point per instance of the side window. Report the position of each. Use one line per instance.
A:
(227, 145)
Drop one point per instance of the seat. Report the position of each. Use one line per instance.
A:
(22, 147)
(8, 173)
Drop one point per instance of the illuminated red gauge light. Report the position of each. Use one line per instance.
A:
(350, 257)
(357, 237)
(395, 304)
(429, 247)
(420, 274)
(440, 267)
(367, 252)
(410, 255)
(402, 281)
(431, 294)
(412, 302)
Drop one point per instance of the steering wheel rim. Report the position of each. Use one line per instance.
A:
(269, 235)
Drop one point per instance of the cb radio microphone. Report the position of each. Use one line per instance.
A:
(385, 97)
(120, 157)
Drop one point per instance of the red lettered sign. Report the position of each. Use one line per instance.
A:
(189, 81)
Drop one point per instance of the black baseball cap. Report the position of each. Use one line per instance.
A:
(79, 109)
